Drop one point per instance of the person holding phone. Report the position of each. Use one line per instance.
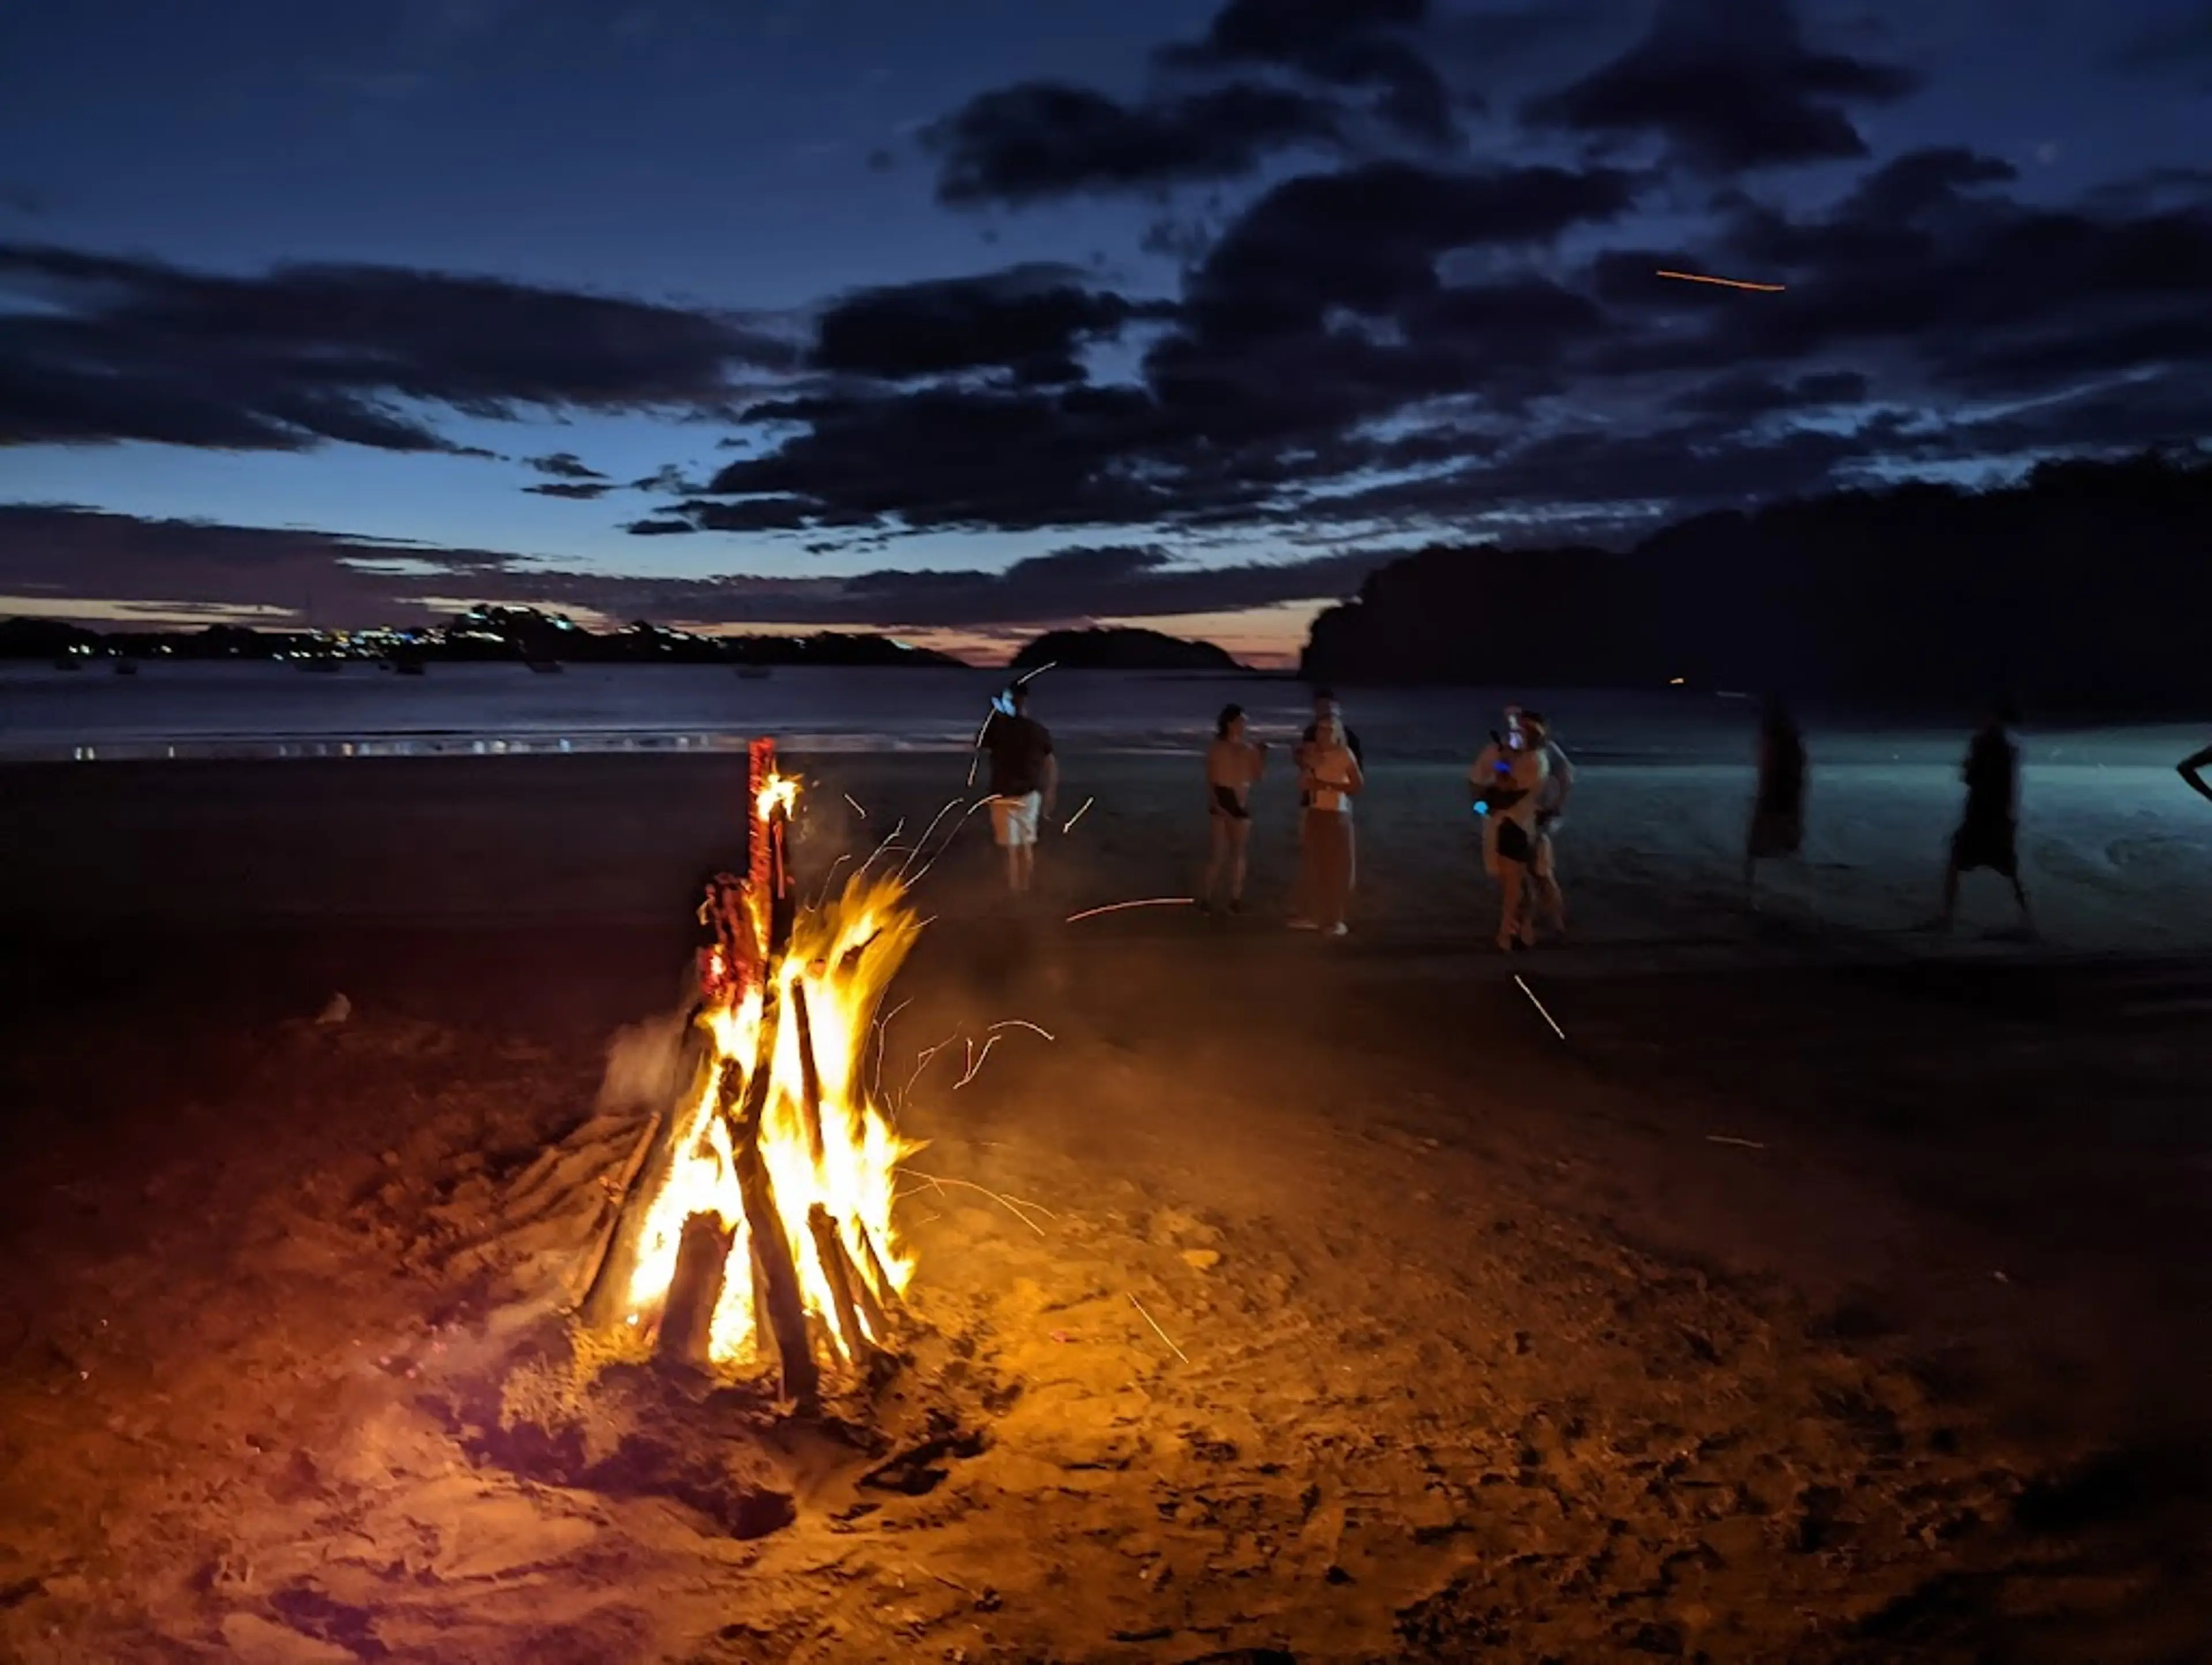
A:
(1506, 785)
(1025, 778)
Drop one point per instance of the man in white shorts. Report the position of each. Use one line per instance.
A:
(1024, 780)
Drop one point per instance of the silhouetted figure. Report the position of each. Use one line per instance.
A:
(1988, 835)
(1778, 811)
(1233, 763)
(2191, 768)
(1025, 778)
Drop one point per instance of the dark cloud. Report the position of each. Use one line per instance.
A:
(1730, 86)
(127, 349)
(1032, 320)
(1369, 239)
(1041, 140)
(1347, 43)
(91, 556)
(564, 466)
(579, 491)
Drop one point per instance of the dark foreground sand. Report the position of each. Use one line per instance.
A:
(1830, 1294)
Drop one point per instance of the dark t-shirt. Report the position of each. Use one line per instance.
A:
(1992, 774)
(1351, 745)
(1018, 747)
(1782, 775)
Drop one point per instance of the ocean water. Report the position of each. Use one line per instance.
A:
(272, 710)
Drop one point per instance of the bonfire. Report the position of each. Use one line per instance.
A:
(755, 1220)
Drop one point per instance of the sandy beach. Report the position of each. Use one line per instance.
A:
(1832, 1292)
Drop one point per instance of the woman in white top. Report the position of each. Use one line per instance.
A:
(1233, 764)
(1331, 777)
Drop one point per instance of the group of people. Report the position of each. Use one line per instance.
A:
(1519, 789)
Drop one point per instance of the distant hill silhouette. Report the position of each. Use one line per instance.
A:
(2087, 586)
(1121, 650)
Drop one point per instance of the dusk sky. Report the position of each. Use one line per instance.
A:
(964, 320)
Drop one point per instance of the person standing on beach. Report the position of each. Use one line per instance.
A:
(1507, 784)
(1233, 764)
(1777, 810)
(1550, 902)
(1329, 778)
(2190, 770)
(1325, 708)
(1988, 834)
(1024, 780)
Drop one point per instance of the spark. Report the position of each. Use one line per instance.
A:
(975, 1061)
(856, 803)
(1021, 1023)
(1147, 901)
(1725, 1138)
(1158, 1331)
(921, 1063)
(1724, 282)
(922, 843)
(889, 839)
(1078, 816)
(1538, 1005)
(980, 803)
(883, 1029)
(822, 895)
(1014, 1205)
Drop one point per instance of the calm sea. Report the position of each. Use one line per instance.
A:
(272, 710)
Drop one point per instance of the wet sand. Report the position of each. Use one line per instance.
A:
(1830, 1293)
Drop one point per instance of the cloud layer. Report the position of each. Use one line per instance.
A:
(1376, 328)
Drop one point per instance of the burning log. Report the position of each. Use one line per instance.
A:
(694, 1289)
(779, 1291)
(837, 1270)
(652, 1163)
(809, 1072)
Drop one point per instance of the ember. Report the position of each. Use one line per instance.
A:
(758, 1222)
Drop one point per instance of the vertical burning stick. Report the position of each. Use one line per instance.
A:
(837, 1272)
(810, 1075)
(778, 1276)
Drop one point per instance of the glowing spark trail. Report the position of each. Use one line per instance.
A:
(1538, 1005)
(1078, 816)
(856, 803)
(1724, 282)
(1116, 907)
(1158, 1331)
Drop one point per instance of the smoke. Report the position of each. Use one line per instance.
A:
(647, 1065)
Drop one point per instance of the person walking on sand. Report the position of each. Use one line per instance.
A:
(1550, 902)
(1324, 707)
(1329, 778)
(1234, 764)
(2191, 768)
(1507, 784)
(1024, 780)
(1988, 833)
(1777, 808)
